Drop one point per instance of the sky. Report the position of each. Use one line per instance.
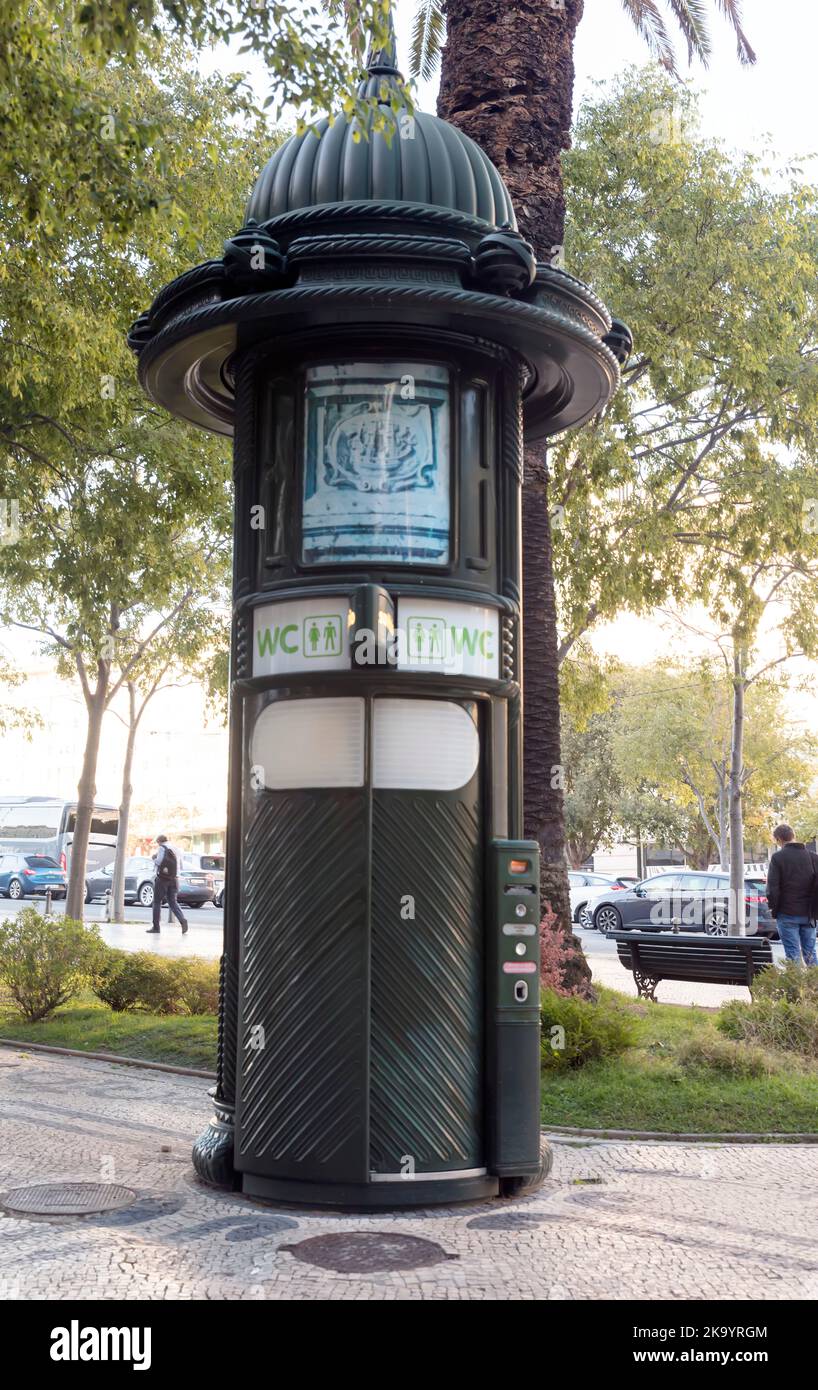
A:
(182, 755)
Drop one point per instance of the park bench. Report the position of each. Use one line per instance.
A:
(717, 960)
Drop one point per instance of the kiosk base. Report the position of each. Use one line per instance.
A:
(404, 1192)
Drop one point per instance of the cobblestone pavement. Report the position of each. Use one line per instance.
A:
(615, 1220)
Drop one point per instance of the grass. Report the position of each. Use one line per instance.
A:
(89, 1026)
(648, 1088)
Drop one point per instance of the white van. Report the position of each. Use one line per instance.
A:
(45, 825)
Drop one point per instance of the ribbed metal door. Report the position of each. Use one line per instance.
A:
(302, 1095)
(426, 1042)
(369, 1014)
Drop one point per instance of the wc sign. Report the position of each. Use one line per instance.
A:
(303, 635)
(433, 636)
(456, 639)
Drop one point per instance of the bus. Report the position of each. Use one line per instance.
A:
(45, 825)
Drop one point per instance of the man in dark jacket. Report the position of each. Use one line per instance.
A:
(792, 889)
(166, 883)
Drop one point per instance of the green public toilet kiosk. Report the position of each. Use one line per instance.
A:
(378, 339)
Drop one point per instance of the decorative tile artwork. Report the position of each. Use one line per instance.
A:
(376, 467)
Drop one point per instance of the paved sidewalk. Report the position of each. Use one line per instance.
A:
(203, 939)
(616, 1220)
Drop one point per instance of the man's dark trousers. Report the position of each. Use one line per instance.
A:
(167, 888)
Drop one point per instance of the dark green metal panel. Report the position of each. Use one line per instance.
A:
(427, 981)
(426, 161)
(513, 922)
(302, 1096)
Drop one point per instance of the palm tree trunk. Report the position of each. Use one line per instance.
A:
(507, 81)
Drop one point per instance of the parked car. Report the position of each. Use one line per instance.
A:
(211, 865)
(685, 899)
(617, 885)
(30, 875)
(582, 886)
(195, 888)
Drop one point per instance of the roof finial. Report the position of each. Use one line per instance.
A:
(382, 59)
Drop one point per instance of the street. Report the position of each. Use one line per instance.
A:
(204, 937)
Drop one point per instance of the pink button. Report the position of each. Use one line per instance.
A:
(519, 967)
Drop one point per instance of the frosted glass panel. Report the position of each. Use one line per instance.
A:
(309, 743)
(376, 465)
(423, 744)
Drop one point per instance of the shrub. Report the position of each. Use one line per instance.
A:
(576, 1031)
(789, 981)
(127, 980)
(783, 1023)
(199, 986)
(737, 1060)
(552, 952)
(139, 980)
(44, 963)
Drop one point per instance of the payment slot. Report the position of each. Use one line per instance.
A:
(514, 1008)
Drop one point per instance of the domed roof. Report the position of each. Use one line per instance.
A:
(429, 162)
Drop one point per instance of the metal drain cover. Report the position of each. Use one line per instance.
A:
(364, 1252)
(66, 1198)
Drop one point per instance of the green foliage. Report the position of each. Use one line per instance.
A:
(126, 981)
(198, 991)
(729, 1059)
(122, 556)
(576, 1031)
(777, 1022)
(45, 962)
(788, 981)
(701, 478)
(652, 760)
(79, 142)
(312, 52)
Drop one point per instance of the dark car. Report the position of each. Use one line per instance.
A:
(686, 900)
(195, 888)
(27, 875)
(585, 916)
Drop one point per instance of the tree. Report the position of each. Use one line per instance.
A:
(671, 742)
(185, 640)
(714, 269)
(75, 134)
(120, 507)
(16, 716)
(593, 784)
(507, 81)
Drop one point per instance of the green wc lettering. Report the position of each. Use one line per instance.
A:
(271, 639)
(470, 639)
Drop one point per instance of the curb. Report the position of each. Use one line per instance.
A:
(107, 1057)
(657, 1134)
(565, 1131)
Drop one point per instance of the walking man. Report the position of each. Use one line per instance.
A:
(792, 884)
(166, 884)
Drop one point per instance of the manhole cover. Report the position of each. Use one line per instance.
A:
(66, 1198)
(364, 1252)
